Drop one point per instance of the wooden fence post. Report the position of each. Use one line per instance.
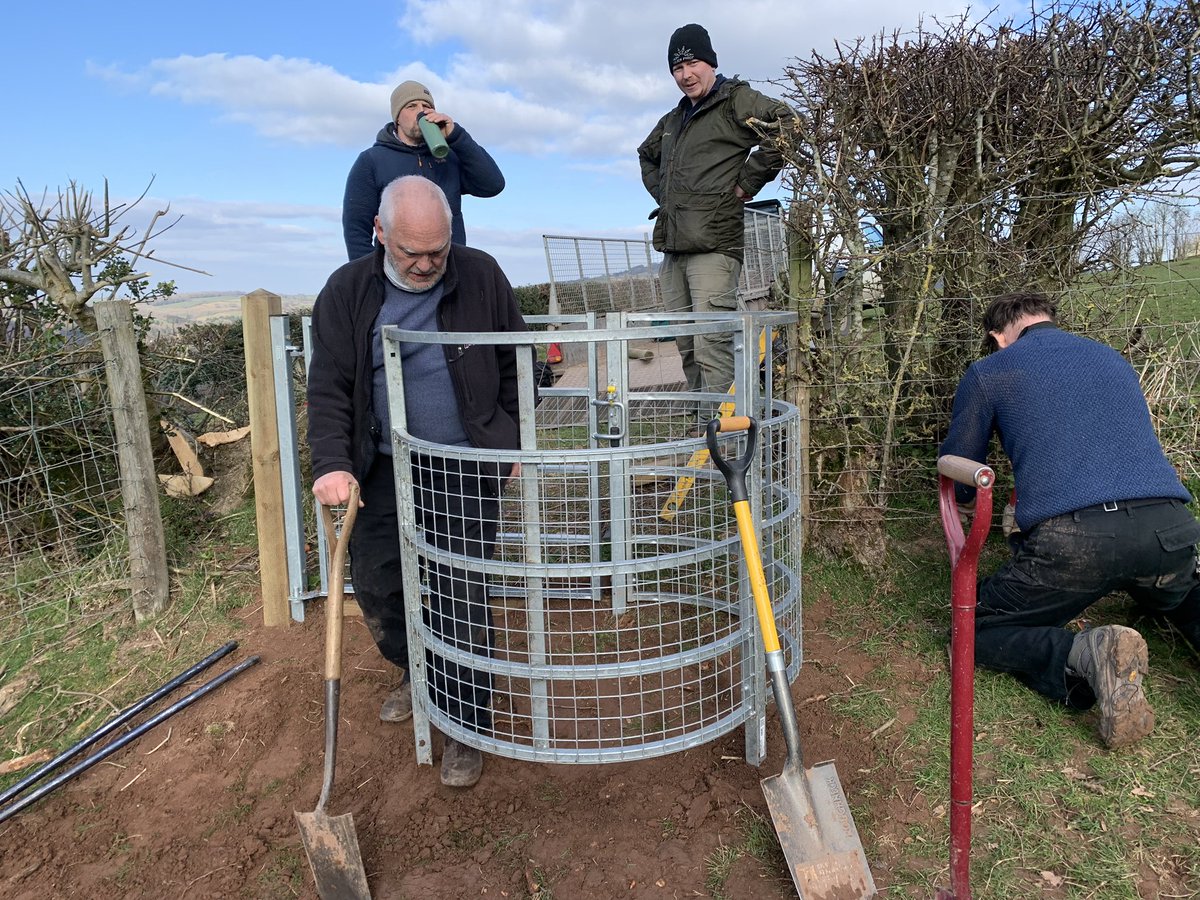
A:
(257, 309)
(149, 580)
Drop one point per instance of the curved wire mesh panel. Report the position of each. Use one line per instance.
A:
(597, 610)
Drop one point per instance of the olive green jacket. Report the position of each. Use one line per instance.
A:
(690, 169)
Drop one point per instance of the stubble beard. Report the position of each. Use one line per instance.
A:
(402, 281)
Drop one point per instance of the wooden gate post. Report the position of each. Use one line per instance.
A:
(257, 309)
(149, 580)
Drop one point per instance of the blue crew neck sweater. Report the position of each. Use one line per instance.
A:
(1071, 416)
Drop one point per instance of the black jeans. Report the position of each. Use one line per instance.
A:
(1064, 565)
(458, 511)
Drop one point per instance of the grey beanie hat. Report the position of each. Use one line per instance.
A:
(690, 42)
(407, 93)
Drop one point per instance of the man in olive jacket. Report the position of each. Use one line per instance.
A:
(698, 166)
(462, 395)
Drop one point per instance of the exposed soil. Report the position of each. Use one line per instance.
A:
(208, 812)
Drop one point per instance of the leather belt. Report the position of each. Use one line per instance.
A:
(1118, 505)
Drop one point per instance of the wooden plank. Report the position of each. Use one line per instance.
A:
(257, 309)
(189, 462)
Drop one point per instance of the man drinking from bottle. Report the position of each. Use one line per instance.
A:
(401, 149)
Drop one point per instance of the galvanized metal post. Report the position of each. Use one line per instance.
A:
(619, 486)
(282, 354)
(322, 547)
(411, 575)
(535, 596)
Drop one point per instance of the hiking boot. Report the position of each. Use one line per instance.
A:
(1114, 660)
(398, 705)
(461, 765)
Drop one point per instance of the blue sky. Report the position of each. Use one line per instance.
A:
(248, 116)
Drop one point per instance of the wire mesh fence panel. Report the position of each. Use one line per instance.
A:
(765, 254)
(61, 517)
(603, 275)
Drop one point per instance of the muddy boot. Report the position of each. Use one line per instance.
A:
(461, 765)
(398, 705)
(1114, 660)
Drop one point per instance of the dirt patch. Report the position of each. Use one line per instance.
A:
(208, 812)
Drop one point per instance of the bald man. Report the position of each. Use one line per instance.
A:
(419, 280)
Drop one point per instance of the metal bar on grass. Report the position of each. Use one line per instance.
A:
(120, 742)
(116, 721)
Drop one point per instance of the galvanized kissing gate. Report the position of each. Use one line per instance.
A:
(620, 617)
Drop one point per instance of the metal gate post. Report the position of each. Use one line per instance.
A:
(282, 355)
(618, 467)
(322, 549)
(535, 596)
(410, 575)
(595, 494)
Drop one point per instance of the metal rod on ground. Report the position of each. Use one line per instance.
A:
(115, 722)
(120, 742)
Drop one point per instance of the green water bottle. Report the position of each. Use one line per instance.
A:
(434, 139)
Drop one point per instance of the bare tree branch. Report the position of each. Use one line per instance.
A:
(69, 251)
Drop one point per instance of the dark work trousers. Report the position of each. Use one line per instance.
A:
(1064, 565)
(458, 512)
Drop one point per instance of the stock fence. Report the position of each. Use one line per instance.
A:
(61, 515)
(872, 430)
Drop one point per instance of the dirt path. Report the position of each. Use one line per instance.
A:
(209, 812)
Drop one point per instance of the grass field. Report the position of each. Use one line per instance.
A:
(1175, 288)
(190, 309)
(1056, 814)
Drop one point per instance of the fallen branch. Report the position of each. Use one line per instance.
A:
(22, 762)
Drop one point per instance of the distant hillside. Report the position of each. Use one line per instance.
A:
(189, 309)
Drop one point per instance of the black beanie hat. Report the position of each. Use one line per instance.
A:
(690, 42)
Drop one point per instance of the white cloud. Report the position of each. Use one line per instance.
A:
(289, 99)
(534, 77)
(285, 248)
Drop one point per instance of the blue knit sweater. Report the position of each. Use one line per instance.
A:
(1071, 416)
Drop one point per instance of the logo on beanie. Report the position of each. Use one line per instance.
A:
(681, 55)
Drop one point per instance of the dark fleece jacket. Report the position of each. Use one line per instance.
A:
(476, 297)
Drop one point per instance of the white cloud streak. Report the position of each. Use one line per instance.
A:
(533, 76)
(559, 87)
(300, 244)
